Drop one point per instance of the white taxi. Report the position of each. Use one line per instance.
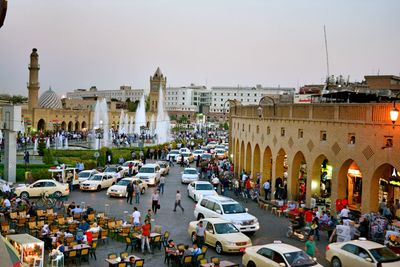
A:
(222, 235)
(119, 189)
(98, 181)
(196, 190)
(45, 186)
(276, 254)
(360, 253)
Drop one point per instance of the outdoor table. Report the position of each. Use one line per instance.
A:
(223, 263)
(114, 262)
(77, 247)
(139, 236)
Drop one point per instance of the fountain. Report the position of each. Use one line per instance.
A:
(152, 124)
(131, 126)
(163, 122)
(66, 143)
(121, 122)
(48, 142)
(140, 116)
(35, 146)
(100, 124)
(126, 124)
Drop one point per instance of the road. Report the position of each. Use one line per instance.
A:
(271, 227)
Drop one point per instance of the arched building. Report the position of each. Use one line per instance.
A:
(327, 151)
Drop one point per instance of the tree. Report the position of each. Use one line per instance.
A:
(15, 99)
(41, 146)
(173, 117)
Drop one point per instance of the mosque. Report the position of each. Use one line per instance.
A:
(47, 112)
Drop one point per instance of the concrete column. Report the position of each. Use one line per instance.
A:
(10, 156)
(335, 193)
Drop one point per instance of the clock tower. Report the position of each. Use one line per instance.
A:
(157, 81)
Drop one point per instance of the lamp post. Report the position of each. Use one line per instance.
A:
(260, 109)
(394, 112)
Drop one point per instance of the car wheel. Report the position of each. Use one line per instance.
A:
(58, 194)
(218, 248)
(200, 217)
(251, 264)
(336, 262)
(143, 190)
(98, 187)
(24, 195)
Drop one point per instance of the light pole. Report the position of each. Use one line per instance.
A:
(394, 113)
(260, 109)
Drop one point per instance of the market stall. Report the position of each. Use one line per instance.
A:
(30, 249)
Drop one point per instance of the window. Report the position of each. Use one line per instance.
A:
(255, 94)
(210, 205)
(210, 228)
(388, 141)
(203, 202)
(222, 94)
(229, 94)
(351, 138)
(258, 129)
(268, 130)
(242, 127)
(265, 252)
(322, 135)
(183, 98)
(248, 94)
(282, 131)
(50, 184)
(249, 127)
(350, 248)
(300, 133)
(234, 94)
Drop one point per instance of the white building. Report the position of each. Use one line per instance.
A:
(191, 98)
(247, 96)
(122, 94)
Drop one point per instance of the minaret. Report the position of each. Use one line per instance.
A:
(157, 81)
(33, 84)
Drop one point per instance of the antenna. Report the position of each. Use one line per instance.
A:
(326, 52)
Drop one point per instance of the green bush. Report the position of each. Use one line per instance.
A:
(41, 146)
(48, 157)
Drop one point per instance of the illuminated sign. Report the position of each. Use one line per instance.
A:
(395, 183)
(354, 172)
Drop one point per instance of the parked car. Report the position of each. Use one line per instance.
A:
(222, 235)
(86, 174)
(360, 253)
(98, 181)
(119, 189)
(228, 209)
(44, 186)
(116, 171)
(187, 156)
(189, 175)
(196, 190)
(276, 254)
(172, 154)
(150, 173)
(135, 167)
(164, 167)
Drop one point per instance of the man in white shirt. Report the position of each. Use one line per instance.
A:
(267, 187)
(344, 213)
(178, 201)
(6, 188)
(6, 203)
(136, 216)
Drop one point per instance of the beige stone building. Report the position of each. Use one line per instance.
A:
(325, 151)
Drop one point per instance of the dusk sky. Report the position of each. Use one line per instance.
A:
(108, 43)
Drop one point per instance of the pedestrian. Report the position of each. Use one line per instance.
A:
(146, 229)
(136, 193)
(267, 188)
(129, 190)
(155, 201)
(200, 230)
(311, 248)
(135, 217)
(178, 201)
(344, 213)
(162, 184)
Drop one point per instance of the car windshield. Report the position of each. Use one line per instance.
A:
(84, 174)
(225, 228)
(204, 187)
(299, 259)
(97, 177)
(384, 254)
(146, 170)
(190, 172)
(186, 154)
(206, 156)
(233, 208)
(110, 169)
(174, 152)
(123, 182)
(198, 151)
(162, 164)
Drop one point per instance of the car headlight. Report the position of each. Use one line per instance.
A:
(230, 243)
(255, 220)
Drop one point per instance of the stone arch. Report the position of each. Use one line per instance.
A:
(236, 156)
(381, 187)
(83, 125)
(241, 162)
(41, 125)
(77, 124)
(256, 162)
(298, 181)
(267, 165)
(248, 158)
(70, 126)
(63, 125)
(350, 184)
(321, 173)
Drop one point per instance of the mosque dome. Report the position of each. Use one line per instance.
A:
(49, 99)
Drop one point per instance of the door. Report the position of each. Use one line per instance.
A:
(263, 257)
(36, 189)
(210, 237)
(209, 210)
(50, 188)
(191, 190)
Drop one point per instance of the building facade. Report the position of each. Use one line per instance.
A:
(323, 151)
(124, 93)
(191, 98)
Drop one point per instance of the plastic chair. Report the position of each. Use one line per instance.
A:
(139, 263)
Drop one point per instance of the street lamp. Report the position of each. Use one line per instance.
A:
(260, 109)
(394, 113)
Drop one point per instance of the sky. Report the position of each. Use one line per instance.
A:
(107, 43)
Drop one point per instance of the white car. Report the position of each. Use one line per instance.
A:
(172, 154)
(360, 253)
(119, 189)
(184, 150)
(189, 175)
(198, 152)
(149, 173)
(98, 181)
(196, 190)
(276, 254)
(84, 175)
(220, 147)
(228, 209)
(135, 168)
(212, 144)
(187, 156)
(116, 171)
(46, 186)
(164, 167)
(220, 153)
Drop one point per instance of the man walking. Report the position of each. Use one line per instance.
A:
(136, 190)
(178, 201)
(162, 183)
(135, 217)
(129, 190)
(200, 230)
(267, 187)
